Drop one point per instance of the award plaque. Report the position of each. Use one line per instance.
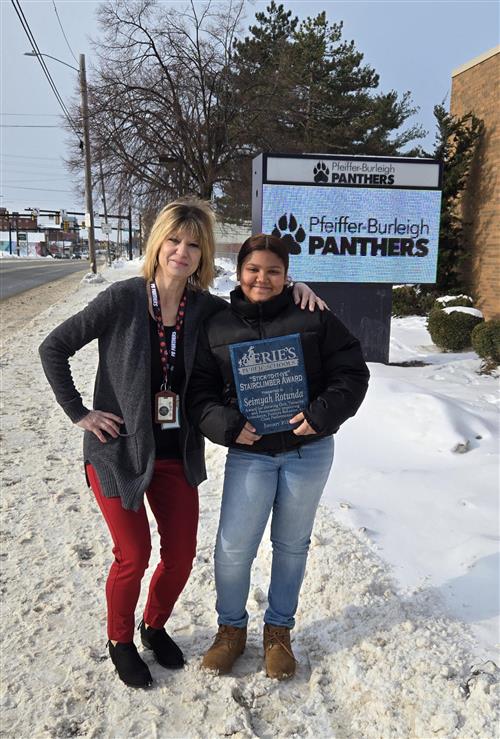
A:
(270, 380)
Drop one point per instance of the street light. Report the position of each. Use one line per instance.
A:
(86, 150)
(34, 53)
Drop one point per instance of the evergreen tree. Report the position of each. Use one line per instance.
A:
(456, 143)
(309, 92)
(180, 103)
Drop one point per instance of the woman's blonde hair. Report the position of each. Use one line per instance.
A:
(197, 218)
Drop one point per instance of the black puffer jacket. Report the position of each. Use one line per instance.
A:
(336, 372)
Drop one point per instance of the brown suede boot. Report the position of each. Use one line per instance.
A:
(228, 644)
(280, 662)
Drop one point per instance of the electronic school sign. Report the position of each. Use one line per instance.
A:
(353, 219)
(357, 223)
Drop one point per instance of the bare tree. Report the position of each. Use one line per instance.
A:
(180, 104)
(162, 108)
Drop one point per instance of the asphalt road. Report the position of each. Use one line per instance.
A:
(19, 275)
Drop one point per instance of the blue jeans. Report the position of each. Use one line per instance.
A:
(290, 485)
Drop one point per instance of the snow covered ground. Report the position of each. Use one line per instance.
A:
(399, 606)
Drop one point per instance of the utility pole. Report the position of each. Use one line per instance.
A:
(130, 233)
(119, 240)
(88, 174)
(89, 215)
(17, 233)
(105, 209)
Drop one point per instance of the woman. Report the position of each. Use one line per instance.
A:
(280, 474)
(137, 438)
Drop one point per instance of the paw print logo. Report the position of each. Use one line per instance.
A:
(321, 172)
(289, 230)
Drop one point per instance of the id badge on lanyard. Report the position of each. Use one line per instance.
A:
(167, 402)
(167, 409)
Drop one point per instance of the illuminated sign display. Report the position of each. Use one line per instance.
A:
(354, 219)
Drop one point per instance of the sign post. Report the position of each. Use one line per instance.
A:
(354, 225)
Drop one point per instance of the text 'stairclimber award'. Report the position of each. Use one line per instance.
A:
(270, 381)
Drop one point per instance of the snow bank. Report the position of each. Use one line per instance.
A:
(226, 263)
(410, 341)
(8, 255)
(118, 264)
(226, 280)
(223, 285)
(93, 279)
(429, 510)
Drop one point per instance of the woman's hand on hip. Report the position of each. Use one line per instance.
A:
(304, 429)
(99, 421)
(305, 297)
(247, 435)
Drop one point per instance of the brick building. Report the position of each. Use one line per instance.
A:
(24, 235)
(474, 88)
(19, 221)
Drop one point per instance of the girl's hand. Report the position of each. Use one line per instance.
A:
(247, 435)
(304, 429)
(303, 295)
(99, 421)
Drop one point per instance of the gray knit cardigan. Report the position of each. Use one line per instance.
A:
(118, 318)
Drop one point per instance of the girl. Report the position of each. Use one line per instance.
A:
(283, 474)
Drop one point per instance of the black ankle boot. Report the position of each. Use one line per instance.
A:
(131, 669)
(165, 650)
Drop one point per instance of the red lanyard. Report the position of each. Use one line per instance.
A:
(167, 360)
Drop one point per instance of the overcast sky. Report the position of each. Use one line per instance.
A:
(413, 44)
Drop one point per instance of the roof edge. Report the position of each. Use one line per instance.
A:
(476, 60)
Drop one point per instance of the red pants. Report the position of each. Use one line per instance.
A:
(174, 504)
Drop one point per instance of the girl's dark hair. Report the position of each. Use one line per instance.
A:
(263, 242)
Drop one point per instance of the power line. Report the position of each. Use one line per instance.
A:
(62, 29)
(34, 115)
(35, 183)
(25, 125)
(37, 172)
(46, 189)
(34, 45)
(35, 168)
(38, 178)
(26, 156)
(27, 164)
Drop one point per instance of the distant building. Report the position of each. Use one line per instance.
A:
(229, 238)
(33, 235)
(19, 221)
(474, 88)
(20, 235)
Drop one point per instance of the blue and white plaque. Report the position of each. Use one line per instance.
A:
(271, 381)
